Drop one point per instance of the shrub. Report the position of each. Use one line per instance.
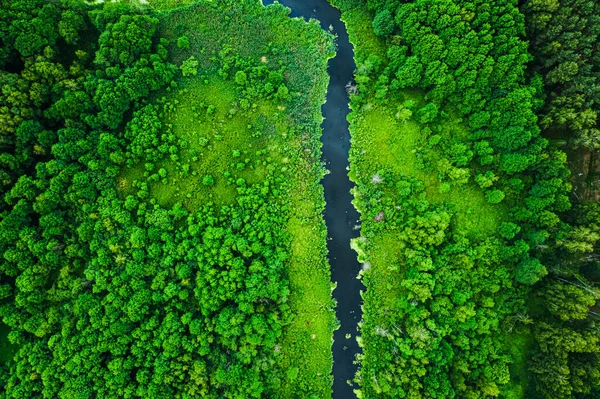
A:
(494, 196)
(189, 67)
(241, 78)
(183, 43)
(428, 113)
(208, 180)
(508, 230)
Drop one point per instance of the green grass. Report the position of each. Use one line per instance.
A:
(212, 139)
(385, 143)
(358, 24)
(381, 142)
(287, 138)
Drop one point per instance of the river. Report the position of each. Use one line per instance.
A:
(340, 215)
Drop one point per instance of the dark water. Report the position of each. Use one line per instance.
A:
(340, 215)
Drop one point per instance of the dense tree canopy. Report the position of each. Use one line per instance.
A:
(564, 38)
(564, 42)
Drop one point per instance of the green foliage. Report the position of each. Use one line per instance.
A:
(124, 41)
(486, 180)
(508, 230)
(383, 23)
(71, 23)
(282, 93)
(189, 67)
(404, 114)
(428, 113)
(565, 329)
(464, 64)
(564, 38)
(409, 74)
(565, 41)
(183, 43)
(452, 291)
(494, 196)
(530, 271)
(144, 134)
(241, 78)
(106, 291)
(569, 302)
(292, 373)
(208, 180)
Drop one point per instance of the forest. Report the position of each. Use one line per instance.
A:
(159, 182)
(478, 242)
(162, 230)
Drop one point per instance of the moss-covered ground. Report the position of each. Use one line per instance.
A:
(220, 139)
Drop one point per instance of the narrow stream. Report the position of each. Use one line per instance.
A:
(340, 215)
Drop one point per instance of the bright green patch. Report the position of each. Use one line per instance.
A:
(215, 144)
(385, 143)
(358, 24)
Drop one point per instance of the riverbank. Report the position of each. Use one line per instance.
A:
(341, 217)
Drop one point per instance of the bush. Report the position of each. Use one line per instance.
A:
(494, 196)
(208, 181)
(241, 78)
(428, 113)
(183, 43)
(508, 230)
(189, 67)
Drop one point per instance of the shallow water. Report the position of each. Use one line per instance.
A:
(340, 215)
